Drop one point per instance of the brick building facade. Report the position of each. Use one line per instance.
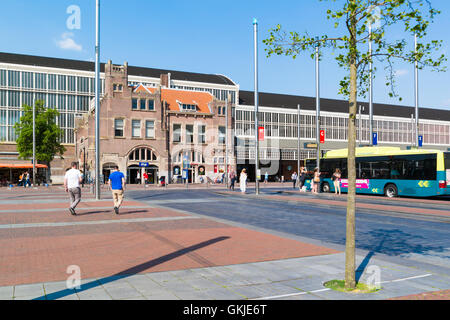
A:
(156, 130)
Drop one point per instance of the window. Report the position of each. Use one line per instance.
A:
(118, 127)
(72, 83)
(149, 129)
(135, 128)
(142, 154)
(189, 133)
(188, 107)
(134, 104)
(151, 105)
(201, 134)
(142, 104)
(176, 133)
(221, 135)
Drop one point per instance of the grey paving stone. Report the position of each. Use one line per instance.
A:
(6, 293)
(118, 293)
(246, 292)
(300, 297)
(28, 290)
(328, 269)
(161, 277)
(399, 289)
(29, 298)
(305, 284)
(191, 294)
(144, 284)
(94, 294)
(233, 280)
(70, 297)
(201, 283)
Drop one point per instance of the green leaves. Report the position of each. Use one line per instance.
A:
(352, 44)
(47, 135)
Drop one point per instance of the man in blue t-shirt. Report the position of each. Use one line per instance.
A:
(116, 182)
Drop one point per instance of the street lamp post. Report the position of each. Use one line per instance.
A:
(255, 38)
(97, 101)
(34, 144)
(317, 108)
(298, 139)
(226, 142)
(416, 91)
(370, 88)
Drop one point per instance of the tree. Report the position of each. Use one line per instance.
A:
(48, 133)
(352, 21)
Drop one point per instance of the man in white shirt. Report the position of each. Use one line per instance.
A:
(72, 182)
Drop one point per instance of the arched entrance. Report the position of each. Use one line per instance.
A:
(142, 163)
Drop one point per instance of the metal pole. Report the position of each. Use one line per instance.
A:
(84, 165)
(317, 108)
(412, 130)
(370, 89)
(416, 90)
(34, 144)
(298, 139)
(97, 101)
(255, 33)
(226, 142)
(360, 127)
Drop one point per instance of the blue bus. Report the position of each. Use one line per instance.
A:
(388, 171)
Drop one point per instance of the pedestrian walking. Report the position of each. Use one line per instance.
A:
(232, 179)
(27, 179)
(117, 184)
(243, 180)
(337, 181)
(21, 181)
(294, 179)
(72, 181)
(266, 178)
(138, 178)
(316, 180)
(145, 175)
(302, 179)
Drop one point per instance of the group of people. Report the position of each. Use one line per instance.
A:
(24, 180)
(315, 181)
(73, 179)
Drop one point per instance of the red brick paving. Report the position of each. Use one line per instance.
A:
(42, 254)
(435, 295)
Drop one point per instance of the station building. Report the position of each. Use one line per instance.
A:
(156, 130)
(68, 85)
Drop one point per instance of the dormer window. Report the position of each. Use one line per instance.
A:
(188, 107)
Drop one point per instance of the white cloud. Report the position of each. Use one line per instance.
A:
(68, 43)
(401, 72)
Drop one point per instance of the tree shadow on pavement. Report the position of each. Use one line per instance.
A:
(131, 271)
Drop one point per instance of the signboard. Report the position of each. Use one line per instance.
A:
(310, 145)
(420, 141)
(375, 138)
(215, 168)
(322, 136)
(144, 164)
(360, 183)
(261, 134)
(258, 174)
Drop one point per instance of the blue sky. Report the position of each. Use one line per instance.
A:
(208, 37)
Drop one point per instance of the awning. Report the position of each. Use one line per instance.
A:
(22, 166)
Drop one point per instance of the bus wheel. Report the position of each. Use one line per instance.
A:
(391, 191)
(326, 187)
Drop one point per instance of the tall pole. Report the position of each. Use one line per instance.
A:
(226, 142)
(317, 108)
(370, 89)
(97, 101)
(416, 90)
(298, 139)
(360, 126)
(255, 37)
(34, 144)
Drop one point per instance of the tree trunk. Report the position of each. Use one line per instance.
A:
(350, 282)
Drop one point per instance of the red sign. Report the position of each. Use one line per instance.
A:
(215, 168)
(261, 134)
(322, 136)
